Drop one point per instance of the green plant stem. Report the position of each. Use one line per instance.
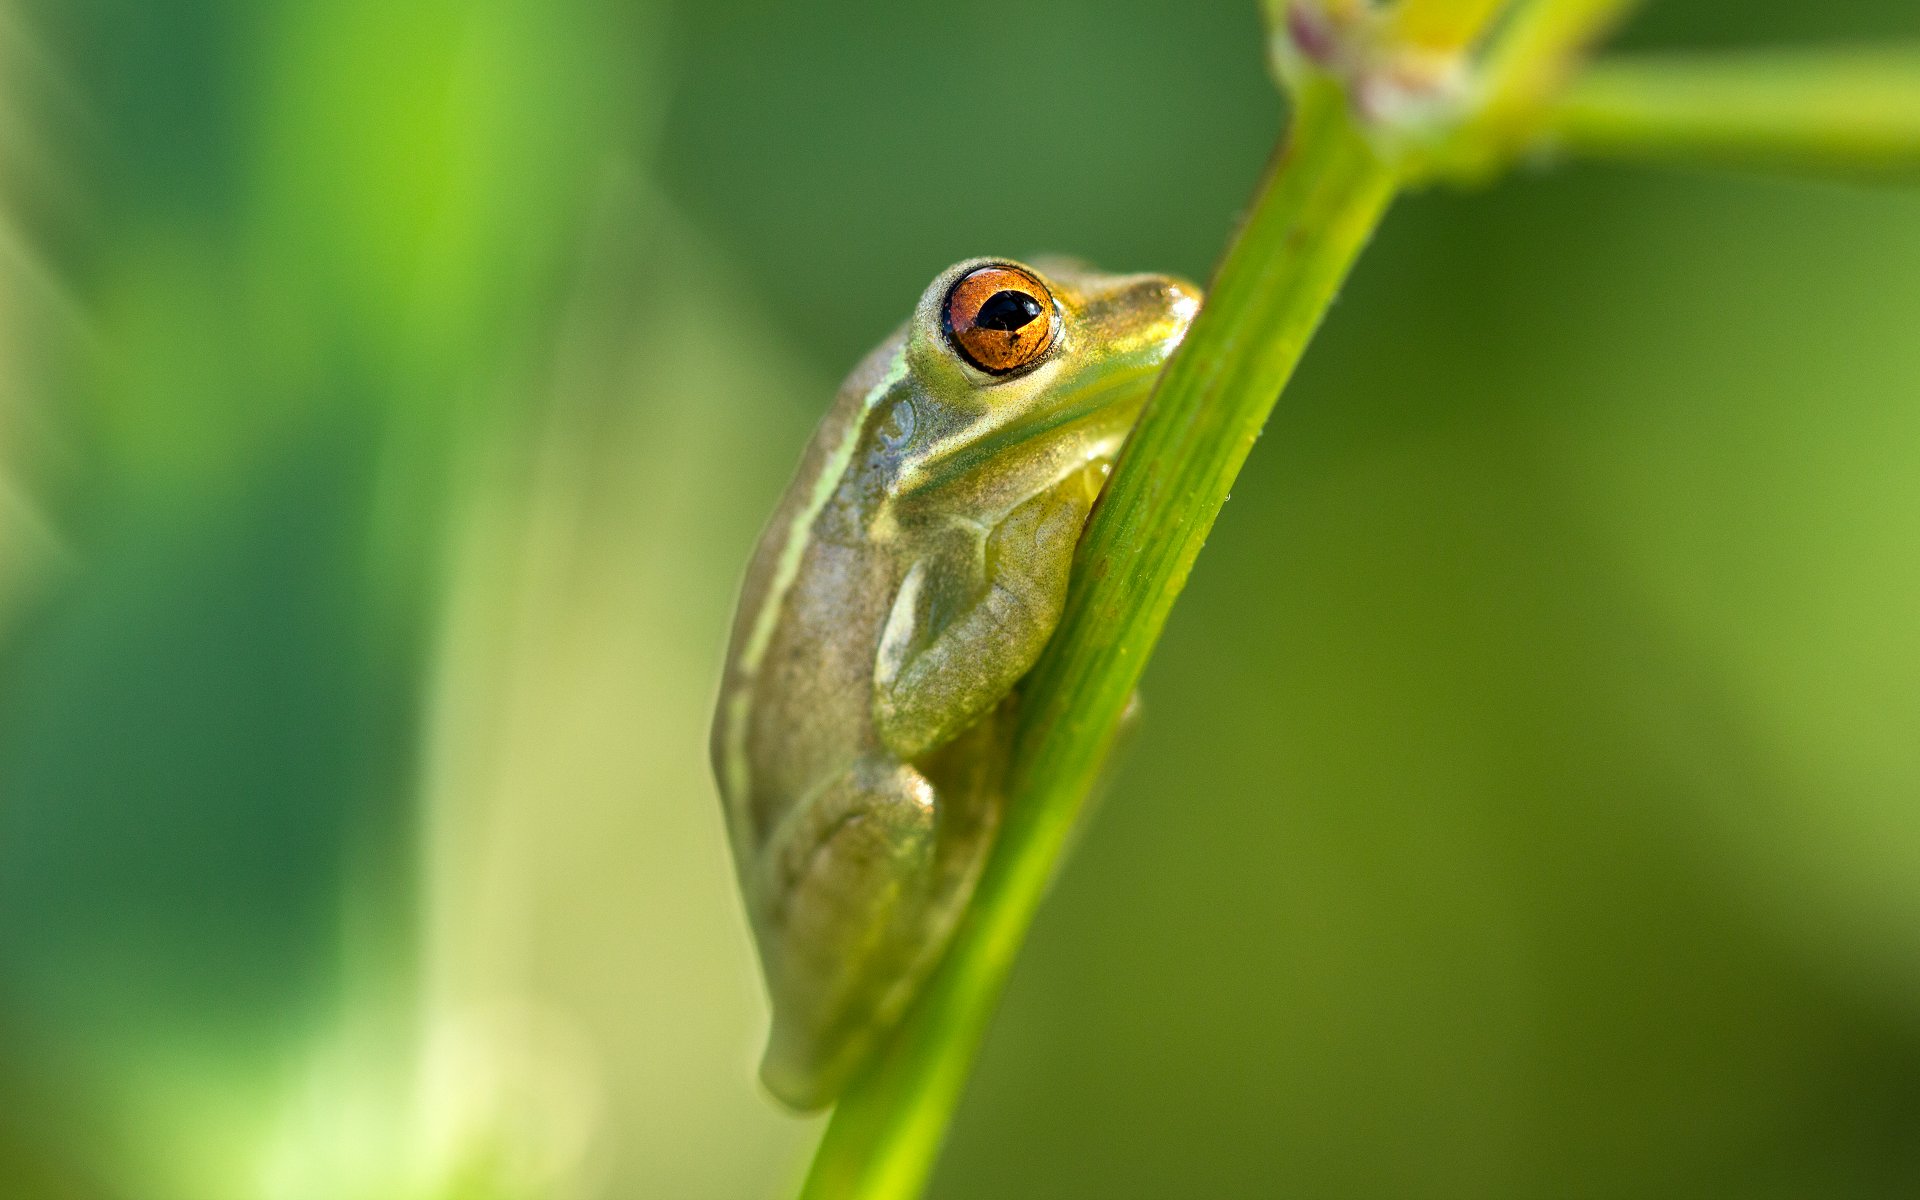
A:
(1543, 44)
(1320, 202)
(1529, 61)
(1850, 112)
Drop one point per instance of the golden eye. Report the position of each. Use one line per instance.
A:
(1000, 319)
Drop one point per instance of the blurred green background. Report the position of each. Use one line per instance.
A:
(391, 391)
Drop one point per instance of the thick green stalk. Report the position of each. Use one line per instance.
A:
(1842, 112)
(1318, 205)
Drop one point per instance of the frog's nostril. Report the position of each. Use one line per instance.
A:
(1007, 311)
(1184, 298)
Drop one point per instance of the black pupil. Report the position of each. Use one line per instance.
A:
(1007, 311)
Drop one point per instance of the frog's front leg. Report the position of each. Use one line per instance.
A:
(931, 683)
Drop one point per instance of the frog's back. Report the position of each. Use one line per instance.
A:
(795, 704)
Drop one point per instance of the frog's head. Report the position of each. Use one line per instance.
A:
(1013, 371)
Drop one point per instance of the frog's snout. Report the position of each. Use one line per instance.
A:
(1181, 301)
(1172, 296)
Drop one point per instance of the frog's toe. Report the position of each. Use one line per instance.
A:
(792, 1071)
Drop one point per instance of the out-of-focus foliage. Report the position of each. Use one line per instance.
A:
(366, 458)
(1529, 800)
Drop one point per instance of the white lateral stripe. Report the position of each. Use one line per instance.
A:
(792, 549)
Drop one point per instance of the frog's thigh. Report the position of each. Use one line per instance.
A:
(923, 699)
(849, 882)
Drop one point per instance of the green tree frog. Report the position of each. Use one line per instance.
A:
(908, 580)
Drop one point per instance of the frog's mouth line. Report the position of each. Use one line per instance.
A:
(1112, 396)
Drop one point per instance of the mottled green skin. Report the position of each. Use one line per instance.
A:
(911, 575)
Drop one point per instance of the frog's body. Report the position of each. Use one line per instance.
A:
(910, 577)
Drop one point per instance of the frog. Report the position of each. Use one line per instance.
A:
(910, 577)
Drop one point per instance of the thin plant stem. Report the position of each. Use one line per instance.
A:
(1319, 203)
(1544, 44)
(1536, 52)
(1851, 112)
(1442, 26)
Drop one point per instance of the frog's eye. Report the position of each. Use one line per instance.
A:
(1000, 319)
